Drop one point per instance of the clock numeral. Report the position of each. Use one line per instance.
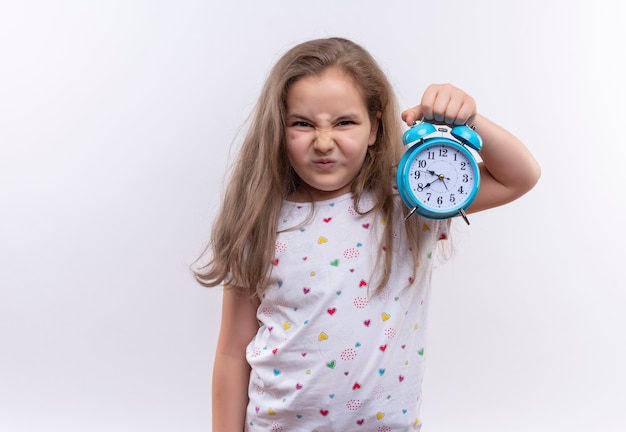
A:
(417, 174)
(452, 198)
(460, 190)
(421, 163)
(465, 178)
(439, 200)
(428, 195)
(443, 152)
(463, 165)
(430, 155)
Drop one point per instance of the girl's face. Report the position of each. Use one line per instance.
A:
(328, 132)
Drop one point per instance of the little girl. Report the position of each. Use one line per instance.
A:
(326, 286)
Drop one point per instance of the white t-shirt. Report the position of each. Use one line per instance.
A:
(329, 355)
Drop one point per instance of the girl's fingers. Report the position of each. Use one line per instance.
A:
(412, 115)
(442, 103)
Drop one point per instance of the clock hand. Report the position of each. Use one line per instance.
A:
(429, 172)
(440, 177)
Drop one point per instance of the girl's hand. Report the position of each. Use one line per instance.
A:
(442, 103)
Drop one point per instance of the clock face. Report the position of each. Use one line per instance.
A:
(442, 177)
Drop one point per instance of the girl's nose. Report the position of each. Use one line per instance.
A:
(323, 140)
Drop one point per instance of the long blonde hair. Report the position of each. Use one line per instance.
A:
(243, 236)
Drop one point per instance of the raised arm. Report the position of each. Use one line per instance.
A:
(231, 372)
(508, 169)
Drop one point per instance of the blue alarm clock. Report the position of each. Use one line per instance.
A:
(438, 177)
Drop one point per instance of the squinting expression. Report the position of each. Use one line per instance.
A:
(328, 132)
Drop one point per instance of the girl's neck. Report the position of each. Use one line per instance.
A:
(301, 196)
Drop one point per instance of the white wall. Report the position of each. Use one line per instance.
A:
(116, 123)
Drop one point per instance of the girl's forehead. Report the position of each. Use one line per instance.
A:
(332, 87)
(331, 73)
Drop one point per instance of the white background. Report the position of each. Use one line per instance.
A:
(117, 124)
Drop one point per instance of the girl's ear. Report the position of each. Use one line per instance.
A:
(374, 130)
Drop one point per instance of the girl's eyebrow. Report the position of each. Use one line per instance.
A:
(342, 117)
(348, 116)
(297, 116)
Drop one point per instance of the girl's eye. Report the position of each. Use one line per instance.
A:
(302, 124)
(345, 123)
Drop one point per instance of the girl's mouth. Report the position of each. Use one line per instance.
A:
(324, 163)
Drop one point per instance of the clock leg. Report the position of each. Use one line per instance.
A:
(462, 213)
(410, 213)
